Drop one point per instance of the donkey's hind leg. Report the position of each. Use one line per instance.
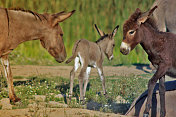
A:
(72, 75)
(86, 80)
(8, 75)
(81, 78)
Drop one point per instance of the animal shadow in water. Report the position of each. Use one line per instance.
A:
(64, 89)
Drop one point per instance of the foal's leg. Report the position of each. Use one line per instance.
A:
(86, 80)
(72, 75)
(101, 74)
(81, 78)
(162, 97)
(8, 75)
(162, 68)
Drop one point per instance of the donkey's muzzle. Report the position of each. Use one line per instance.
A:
(124, 51)
(60, 59)
(125, 48)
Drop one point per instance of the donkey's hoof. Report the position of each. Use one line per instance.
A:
(15, 99)
(106, 95)
(82, 102)
(145, 115)
(70, 97)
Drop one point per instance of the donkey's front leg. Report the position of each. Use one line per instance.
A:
(101, 74)
(162, 68)
(8, 75)
(162, 97)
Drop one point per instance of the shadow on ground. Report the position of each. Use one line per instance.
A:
(142, 67)
(121, 108)
(92, 105)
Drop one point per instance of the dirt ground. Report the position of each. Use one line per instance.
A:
(56, 112)
(64, 71)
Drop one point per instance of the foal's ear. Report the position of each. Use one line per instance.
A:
(101, 33)
(115, 31)
(145, 16)
(61, 16)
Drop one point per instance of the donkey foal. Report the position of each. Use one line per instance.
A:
(91, 54)
(160, 47)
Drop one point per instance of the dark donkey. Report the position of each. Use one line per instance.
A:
(18, 26)
(160, 47)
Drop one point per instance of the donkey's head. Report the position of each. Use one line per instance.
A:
(107, 41)
(131, 30)
(53, 37)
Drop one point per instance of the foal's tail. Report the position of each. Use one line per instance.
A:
(74, 53)
(70, 59)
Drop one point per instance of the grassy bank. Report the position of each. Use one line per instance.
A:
(125, 87)
(105, 13)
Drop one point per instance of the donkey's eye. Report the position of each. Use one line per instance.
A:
(113, 45)
(61, 34)
(131, 32)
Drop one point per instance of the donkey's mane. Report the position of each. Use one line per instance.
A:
(152, 23)
(101, 38)
(37, 15)
(129, 24)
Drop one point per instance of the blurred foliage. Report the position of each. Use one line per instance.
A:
(105, 13)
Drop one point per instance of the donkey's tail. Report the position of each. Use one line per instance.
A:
(70, 59)
(74, 53)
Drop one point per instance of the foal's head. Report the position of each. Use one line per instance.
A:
(131, 30)
(53, 37)
(109, 41)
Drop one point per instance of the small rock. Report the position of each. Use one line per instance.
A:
(59, 96)
(119, 99)
(40, 98)
(31, 101)
(43, 104)
(6, 107)
(4, 101)
(54, 104)
(51, 93)
(34, 105)
(18, 103)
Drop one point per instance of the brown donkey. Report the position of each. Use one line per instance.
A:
(18, 26)
(91, 54)
(160, 47)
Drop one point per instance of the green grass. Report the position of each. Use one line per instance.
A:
(105, 13)
(128, 87)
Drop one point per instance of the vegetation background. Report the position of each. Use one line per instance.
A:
(105, 13)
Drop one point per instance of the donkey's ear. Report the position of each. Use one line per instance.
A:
(61, 16)
(145, 16)
(115, 30)
(101, 33)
